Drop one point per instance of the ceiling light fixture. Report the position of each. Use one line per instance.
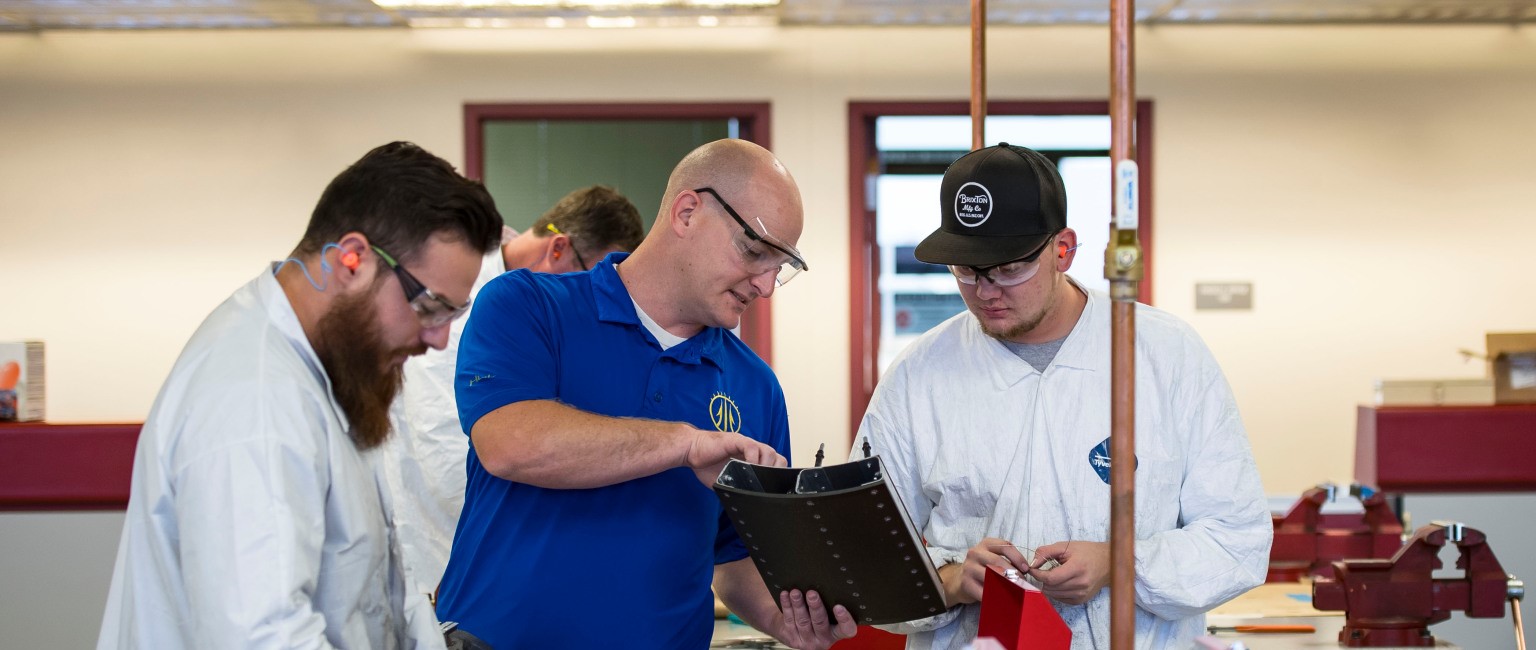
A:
(581, 5)
(595, 14)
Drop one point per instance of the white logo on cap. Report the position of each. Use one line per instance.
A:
(972, 208)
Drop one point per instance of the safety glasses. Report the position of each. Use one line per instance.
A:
(431, 309)
(1007, 274)
(783, 256)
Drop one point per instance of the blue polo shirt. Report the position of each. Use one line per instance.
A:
(625, 565)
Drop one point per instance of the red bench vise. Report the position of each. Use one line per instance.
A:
(1307, 541)
(1392, 603)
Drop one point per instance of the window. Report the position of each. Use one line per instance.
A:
(898, 156)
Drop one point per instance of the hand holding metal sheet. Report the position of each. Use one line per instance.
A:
(1082, 573)
(839, 531)
(963, 585)
(804, 624)
(709, 451)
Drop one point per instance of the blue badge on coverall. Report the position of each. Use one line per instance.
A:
(1098, 459)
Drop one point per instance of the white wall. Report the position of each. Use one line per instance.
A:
(1372, 182)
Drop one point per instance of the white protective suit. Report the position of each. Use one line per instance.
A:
(421, 467)
(980, 444)
(253, 520)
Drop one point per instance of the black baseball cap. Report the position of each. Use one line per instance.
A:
(997, 205)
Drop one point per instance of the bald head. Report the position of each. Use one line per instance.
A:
(731, 167)
(729, 224)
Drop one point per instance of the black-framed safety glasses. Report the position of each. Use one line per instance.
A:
(788, 268)
(431, 309)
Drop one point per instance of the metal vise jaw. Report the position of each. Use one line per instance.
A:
(1392, 603)
(1307, 541)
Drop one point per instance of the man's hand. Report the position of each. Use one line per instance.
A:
(1083, 573)
(803, 623)
(710, 450)
(963, 582)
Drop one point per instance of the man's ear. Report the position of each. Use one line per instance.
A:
(1066, 249)
(684, 208)
(356, 263)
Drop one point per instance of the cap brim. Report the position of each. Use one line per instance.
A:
(948, 248)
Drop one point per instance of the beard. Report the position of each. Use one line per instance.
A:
(363, 381)
(1029, 322)
(1017, 329)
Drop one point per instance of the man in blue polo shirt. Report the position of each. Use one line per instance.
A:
(601, 405)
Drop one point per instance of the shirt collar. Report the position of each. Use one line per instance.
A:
(615, 305)
(609, 294)
(283, 318)
(1087, 346)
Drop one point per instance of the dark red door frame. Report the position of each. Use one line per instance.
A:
(753, 118)
(863, 247)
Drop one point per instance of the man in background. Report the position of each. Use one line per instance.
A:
(254, 518)
(423, 466)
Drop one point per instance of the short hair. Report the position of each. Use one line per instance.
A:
(399, 196)
(596, 218)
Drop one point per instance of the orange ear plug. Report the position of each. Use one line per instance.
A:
(349, 260)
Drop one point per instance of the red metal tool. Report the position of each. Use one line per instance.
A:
(1392, 603)
(1018, 616)
(1307, 542)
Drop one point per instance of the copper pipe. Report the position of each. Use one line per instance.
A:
(1514, 607)
(1122, 532)
(1122, 535)
(978, 73)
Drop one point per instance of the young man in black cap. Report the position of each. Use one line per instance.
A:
(994, 427)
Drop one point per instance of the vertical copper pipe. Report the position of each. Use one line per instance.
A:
(1514, 608)
(1122, 479)
(978, 72)
(1122, 113)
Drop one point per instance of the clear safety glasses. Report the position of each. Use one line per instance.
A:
(431, 309)
(1007, 274)
(782, 255)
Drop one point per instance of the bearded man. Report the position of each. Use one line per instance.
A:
(254, 519)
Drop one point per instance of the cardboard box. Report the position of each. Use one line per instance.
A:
(1434, 392)
(1512, 356)
(21, 381)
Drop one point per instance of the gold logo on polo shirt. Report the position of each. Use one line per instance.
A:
(724, 414)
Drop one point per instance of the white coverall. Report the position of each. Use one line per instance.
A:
(253, 520)
(421, 466)
(979, 444)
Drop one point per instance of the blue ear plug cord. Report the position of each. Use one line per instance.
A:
(325, 267)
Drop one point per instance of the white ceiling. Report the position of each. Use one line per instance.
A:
(29, 15)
